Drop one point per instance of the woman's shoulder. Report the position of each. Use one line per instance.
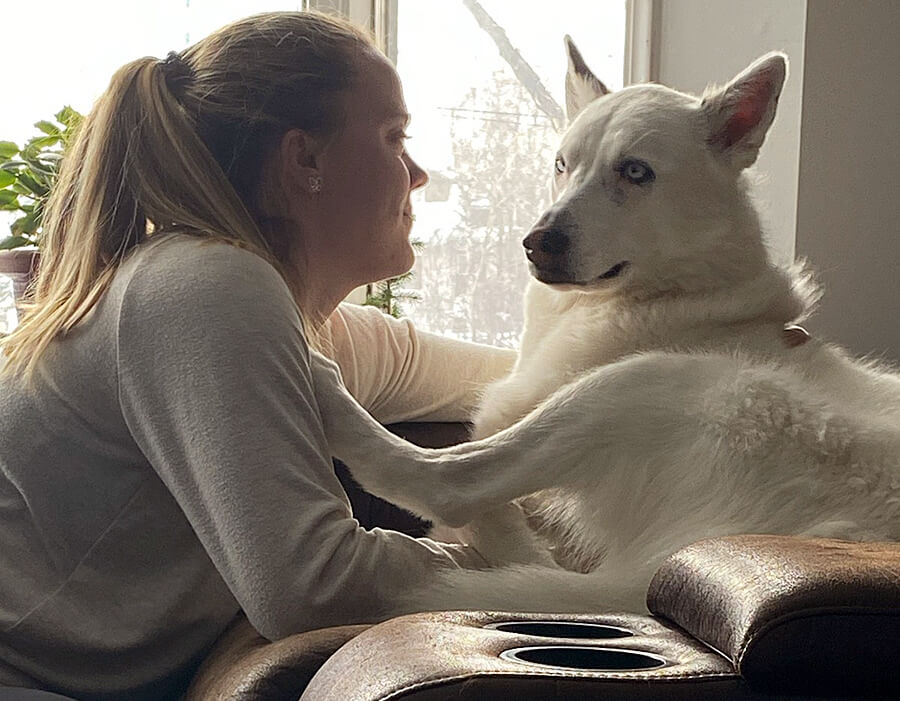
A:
(200, 276)
(190, 265)
(174, 257)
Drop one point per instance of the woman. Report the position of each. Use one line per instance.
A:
(163, 460)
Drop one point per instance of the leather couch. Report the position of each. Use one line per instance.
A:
(745, 617)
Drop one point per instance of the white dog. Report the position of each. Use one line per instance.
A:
(663, 393)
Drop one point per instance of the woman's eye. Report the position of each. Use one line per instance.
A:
(560, 165)
(400, 138)
(636, 172)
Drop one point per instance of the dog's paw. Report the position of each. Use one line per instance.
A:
(502, 537)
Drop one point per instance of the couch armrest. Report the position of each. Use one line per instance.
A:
(244, 666)
(792, 614)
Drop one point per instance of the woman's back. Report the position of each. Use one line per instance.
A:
(97, 559)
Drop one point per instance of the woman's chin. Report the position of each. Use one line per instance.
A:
(406, 258)
(397, 265)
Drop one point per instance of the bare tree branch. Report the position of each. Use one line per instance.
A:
(520, 67)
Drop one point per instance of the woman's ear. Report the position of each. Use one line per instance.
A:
(297, 160)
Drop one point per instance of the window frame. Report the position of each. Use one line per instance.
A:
(641, 30)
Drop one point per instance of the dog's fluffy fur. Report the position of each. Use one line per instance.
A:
(657, 399)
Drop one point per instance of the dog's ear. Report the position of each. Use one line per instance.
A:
(582, 86)
(740, 114)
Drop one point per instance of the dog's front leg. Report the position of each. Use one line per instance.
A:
(453, 485)
(383, 463)
(592, 421)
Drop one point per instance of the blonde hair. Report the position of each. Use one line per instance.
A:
(181, 145)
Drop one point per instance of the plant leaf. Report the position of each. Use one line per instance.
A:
(7, 196)
(33, 185)
(41, 142)
(12, 166)
(47, 127)
(24, 225)
(11, 242)
(68, 116)
(6, 179)
(8, 149)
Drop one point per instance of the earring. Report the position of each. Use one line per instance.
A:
(315, 183)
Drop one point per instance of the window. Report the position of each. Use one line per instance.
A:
(484, 82)
(478, 127)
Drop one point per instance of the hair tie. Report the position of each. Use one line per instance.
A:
(176, 72)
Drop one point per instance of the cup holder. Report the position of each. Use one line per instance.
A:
(562, 629)
(590, 659)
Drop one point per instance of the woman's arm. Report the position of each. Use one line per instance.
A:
(399, 373)
(216, 389)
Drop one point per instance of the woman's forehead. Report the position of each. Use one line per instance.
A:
(377, 91)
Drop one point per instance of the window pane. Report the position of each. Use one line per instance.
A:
(488, 146)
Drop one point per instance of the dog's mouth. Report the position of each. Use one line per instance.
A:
(560, 277)
(614, 271)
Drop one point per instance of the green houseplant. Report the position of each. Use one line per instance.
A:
(27, 175)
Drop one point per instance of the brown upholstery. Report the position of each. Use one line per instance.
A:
(433, 434)
(799, 615)
(452, 655)
(244, 666)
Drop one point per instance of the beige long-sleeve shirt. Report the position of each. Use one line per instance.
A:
(167, 468)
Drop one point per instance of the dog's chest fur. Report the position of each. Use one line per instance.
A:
(569, 333)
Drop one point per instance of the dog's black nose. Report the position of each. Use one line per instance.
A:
(554, 242)
(550, 242)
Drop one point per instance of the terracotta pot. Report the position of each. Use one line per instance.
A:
(20, 264)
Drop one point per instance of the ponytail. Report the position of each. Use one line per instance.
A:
(175, 145)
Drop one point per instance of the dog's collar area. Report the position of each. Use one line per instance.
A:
(794, 335)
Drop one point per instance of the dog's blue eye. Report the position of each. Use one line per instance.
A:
(636, 172)
(560, 164)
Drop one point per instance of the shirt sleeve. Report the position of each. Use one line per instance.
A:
(399, 373)
(215, 387)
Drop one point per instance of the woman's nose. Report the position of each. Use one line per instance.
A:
(417, 175)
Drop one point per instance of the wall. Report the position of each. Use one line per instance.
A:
(848, 218)
(831, 165)
(711, 41)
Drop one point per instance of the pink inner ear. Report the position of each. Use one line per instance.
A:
(746, 113)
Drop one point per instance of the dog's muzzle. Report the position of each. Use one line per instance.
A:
(547, 250)
(544, 246)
